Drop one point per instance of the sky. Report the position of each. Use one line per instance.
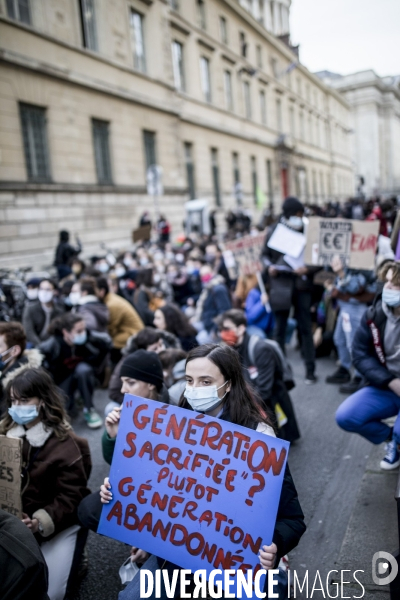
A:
(345, 36)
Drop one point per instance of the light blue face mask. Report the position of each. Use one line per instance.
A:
(23, 414)
(295, 222)
(391, 297)
(80, 338)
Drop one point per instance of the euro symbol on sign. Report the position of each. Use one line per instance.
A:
(337, 241)
(327, 241)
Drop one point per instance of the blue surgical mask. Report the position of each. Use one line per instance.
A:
(4, 363)
(23, 414)
(391, 297)
(204, 399)
(295, 222)
(80, 338)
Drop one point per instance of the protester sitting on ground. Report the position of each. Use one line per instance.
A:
(38, 313)
(376, 356)
(149, 339)
(32, 288)
(291, 288)
(23, 570)
(170, 318)
(14, 357)
(141, 375)
(56, 467)
(64, 254)
(262, 367)
(85, 300)
(214, 300)
(75, 357)
(124, 320)
(227, 396)
(353, 289)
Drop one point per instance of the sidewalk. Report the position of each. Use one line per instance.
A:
(372, 527)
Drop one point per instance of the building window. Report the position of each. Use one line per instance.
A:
(236, 172)
(34, 135)
(102, 150)
(242, 44)
(291, 121)
(263, 108)
(19, 11)
(188, 151)
(253, 166)
(247, 100)
(174, 4)
(269, 183)
(228, 90)
(205, 78)
(259, 56)
(149, 141)
(223, 30)
(177, 63)
(139, 57)
(310, 130)
(279, 115)
(215, 176)
(321, 184)
(301, 123)
(88, 24)
(275, 67)
(201, 13)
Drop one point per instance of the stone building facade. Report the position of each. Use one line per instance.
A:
(94, 91)
(375, 120)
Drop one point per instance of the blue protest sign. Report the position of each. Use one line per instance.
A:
(195, 490)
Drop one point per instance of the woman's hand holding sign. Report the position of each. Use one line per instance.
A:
(112, 422)
(105, 494)
(268, 556)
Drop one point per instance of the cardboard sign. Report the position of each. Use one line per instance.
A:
(247, 252)
(353, 241)
(195, 490)
(287, 241)
(141, 234)
(10, 475)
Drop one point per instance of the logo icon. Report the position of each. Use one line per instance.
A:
(387, 566)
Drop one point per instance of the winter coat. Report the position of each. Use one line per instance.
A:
(34, 319)
(256, 313)
(23, 570)
(124, 320)
(368, 352)
(266, 375)
(214, 300)
(30, 359)
(283, 285)
(95, 313)
(54, 476)
(61, 359)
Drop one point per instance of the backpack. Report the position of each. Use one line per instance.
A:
(284, 365)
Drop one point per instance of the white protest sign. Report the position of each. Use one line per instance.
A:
(287, 241)
(247, 253)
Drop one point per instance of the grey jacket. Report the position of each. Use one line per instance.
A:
(34, 318)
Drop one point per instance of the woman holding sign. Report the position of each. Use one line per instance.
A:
(56, 465)
(215, 386)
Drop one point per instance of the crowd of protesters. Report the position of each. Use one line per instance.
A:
(172, 323)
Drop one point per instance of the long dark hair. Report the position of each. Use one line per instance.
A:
(176, 322)
(31, 383)
(243, 403)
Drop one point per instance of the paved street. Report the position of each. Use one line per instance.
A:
(327, 465)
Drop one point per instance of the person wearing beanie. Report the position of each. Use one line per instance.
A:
(290, 287)
(141, 375)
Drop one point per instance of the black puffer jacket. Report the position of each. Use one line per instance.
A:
(368, 347)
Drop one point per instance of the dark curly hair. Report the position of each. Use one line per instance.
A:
(176, 322)
(37, 383)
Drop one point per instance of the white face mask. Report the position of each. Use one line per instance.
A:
(32, 293)
(295, 222)
(127, 571)
(74, 298)
(45, 296)
(204, 399)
